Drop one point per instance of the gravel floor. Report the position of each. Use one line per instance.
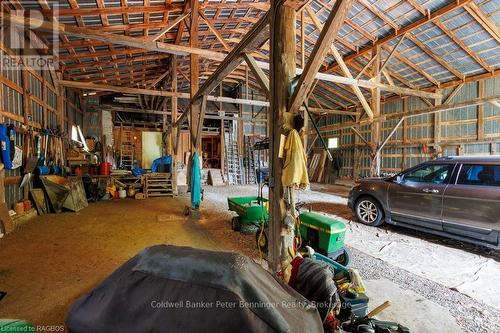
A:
(470, 314)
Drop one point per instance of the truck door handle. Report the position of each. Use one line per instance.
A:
(429, 190)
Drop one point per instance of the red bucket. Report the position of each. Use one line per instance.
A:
(105, 168)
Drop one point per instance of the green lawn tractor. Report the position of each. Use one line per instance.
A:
(324, 234)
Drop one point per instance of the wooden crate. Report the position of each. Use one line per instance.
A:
(158, 185)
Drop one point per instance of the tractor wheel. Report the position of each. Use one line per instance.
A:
(261, 240)
(344, 258)
(236, 223)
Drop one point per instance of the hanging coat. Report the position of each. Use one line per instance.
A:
(5, 147)
(294, 168)
(195, 181)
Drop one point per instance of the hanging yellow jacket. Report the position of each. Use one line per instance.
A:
(295, 166)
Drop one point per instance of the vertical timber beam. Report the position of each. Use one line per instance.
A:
(480, 111)
(376, 126)
(302, 64)
(194, 76)
(355, 155)
(437, 125)
(222, 143)
(282, 70)
(174, 134)
(405, 134)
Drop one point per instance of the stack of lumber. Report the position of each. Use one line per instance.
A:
(215, 177)
(321, 169)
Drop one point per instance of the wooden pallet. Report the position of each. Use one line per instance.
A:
(158, 185)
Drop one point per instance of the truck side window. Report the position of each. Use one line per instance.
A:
(479, 174)
(430, 173)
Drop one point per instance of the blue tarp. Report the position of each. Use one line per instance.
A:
(136, 171)
(195, 181)
(167, 160)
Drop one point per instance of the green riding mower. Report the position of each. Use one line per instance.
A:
(322, 233)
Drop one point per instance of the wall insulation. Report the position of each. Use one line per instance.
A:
(415, 140)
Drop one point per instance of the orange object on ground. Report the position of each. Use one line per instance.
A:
(19, 208)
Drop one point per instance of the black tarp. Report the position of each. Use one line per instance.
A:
(180, 289)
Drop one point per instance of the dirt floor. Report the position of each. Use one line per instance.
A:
(340, 190)
(54, 259)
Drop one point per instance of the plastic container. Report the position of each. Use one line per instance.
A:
(123, 193)
(27, 205)
(104, 168)
(43, 170)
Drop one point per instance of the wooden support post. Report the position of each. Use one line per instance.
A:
(355, 155)
(199, 129)
(26, 96)
(305, 136)
(376, 126)
(194, 75)
(302, 43)
(405, 135)
(175, 130)
(437, 125)
(45, 122)
(282, 71)
(240, 127)
(222, 143)
(480, 112)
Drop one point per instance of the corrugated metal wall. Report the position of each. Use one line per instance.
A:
(413, 142)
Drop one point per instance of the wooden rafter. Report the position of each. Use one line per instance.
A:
(171, 25)
(483, 20)
(356, 89)
(407, 28)
(260, 76)
(326, 38)
(437, 58)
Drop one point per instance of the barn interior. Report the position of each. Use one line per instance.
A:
(246, 127)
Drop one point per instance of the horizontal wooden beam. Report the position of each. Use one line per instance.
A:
(117, 108)
(151, 92)
(119, 89)
(365, 83)
(165, 8)
(415, 113)
(37, 24)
